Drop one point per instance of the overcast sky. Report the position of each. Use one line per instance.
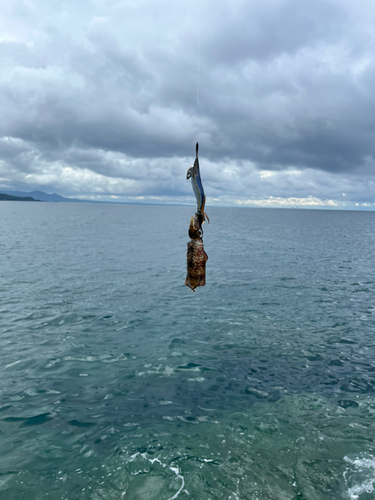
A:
(106, 99)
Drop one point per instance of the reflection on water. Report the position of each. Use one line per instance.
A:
(118, 382)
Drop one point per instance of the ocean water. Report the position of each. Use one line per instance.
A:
(117, 381)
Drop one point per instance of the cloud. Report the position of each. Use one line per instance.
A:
(108, 99)
(310, 202)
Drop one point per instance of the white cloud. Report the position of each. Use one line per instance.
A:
(271, 201)
(264, 174)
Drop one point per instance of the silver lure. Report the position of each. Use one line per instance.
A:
(196, 182)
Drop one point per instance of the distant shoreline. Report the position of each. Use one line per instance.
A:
(9, 197)
(55, 198)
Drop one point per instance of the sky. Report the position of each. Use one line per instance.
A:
(105, 100)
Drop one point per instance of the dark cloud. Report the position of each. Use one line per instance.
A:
(110, 98)
(242, 31)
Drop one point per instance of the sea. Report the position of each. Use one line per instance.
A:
(118, 382)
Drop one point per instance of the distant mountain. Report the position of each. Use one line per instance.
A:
(38, 195)
(41, 196)
(8, 197)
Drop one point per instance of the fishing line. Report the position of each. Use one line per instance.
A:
(199, 58)
(199, 71)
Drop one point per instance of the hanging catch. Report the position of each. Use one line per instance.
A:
(196, 256)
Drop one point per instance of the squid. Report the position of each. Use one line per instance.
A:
(196, 256)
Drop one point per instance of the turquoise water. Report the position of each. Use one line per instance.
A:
(116, 381)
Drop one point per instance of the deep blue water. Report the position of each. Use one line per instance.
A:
(116, 381)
